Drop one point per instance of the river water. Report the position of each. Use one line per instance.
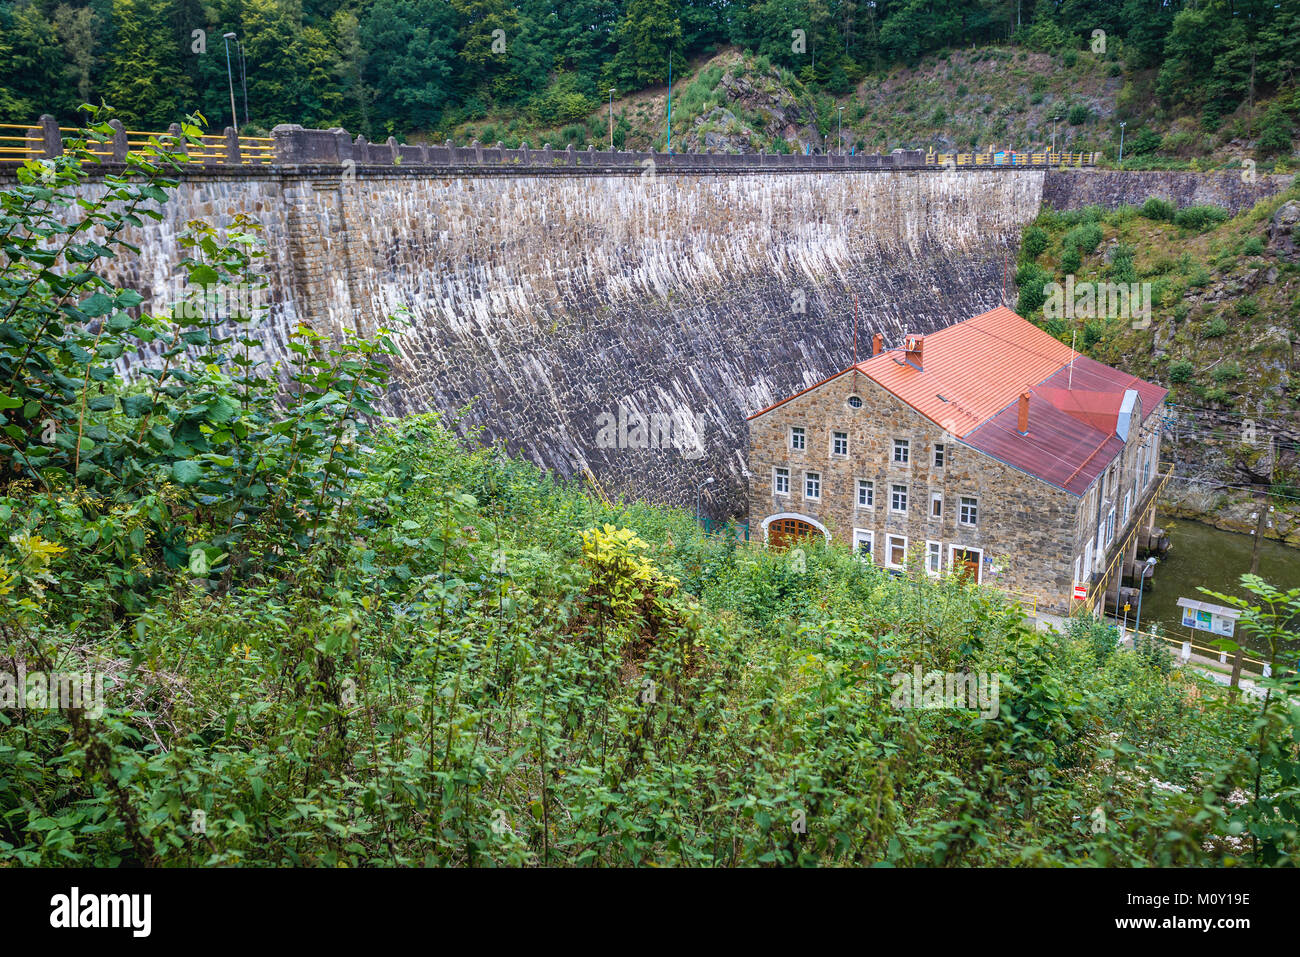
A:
(1207, 556)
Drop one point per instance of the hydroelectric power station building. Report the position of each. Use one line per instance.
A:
(987, 448)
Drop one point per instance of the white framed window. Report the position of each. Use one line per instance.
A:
(1076, 580)
(933, 557)
(898, 498)
(936, 505)
(863, 541)
(839, 443)
(895, 551)
(1110, 526)
(938, 455)
(866, 493)
(812, 485)
(1128, 504)
(855, 402)
(968, 512)
(902, 451)
(798, 438)
(966, 561)
(780, 481)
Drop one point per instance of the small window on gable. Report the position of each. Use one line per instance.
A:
(902, 451)
(938, 456)
(839, 443)
(855, 402)
(969, 514)
(798, 438)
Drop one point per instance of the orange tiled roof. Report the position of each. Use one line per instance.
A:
(972, 370)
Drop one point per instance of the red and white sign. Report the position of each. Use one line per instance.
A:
(1080, 592)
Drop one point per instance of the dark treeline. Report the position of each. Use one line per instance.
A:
(402, 66)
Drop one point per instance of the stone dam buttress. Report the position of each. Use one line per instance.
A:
(558, 303)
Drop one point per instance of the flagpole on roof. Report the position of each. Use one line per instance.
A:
(1073, 336)
(855, 328)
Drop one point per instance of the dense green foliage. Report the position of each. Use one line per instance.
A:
(405, 66)
(334, 639)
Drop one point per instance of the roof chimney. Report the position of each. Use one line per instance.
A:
(877, 344)
(1022, 421)
(914, 346)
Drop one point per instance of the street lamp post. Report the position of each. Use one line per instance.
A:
(1054, 119)
(670, 101)
(1121, 143)
(611, 119)
(1137, 626)
(230, 78)
(840, 142)
(243, 77)
(699, 489)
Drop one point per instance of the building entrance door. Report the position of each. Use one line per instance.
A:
(966, 563)
(786, 531)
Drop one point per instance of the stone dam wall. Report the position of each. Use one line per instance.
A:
(565, 305)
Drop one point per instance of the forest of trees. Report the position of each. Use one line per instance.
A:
(397, 67)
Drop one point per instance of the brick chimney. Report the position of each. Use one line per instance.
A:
(877, 344)
(914, 346)
(1022, 421)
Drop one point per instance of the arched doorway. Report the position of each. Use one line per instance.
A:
(787, 531)
(787, 528)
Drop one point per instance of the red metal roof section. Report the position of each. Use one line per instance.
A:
(971, 370)
(1072, 417)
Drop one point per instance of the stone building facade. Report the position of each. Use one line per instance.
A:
(851, 460)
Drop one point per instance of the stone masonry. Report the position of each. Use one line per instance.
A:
(1029, 532)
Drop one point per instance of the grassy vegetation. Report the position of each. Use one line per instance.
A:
(961, 99)
(335, 639)
(1218, 295)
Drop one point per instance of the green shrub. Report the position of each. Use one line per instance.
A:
(1248, 307)
(1071, 260)
(1215, 328)
(1200, 218)
(1085, 238)
(1253, 246)
(1145, 141)
(1034, 242)
(1158, 210)
(1031, 278)
(1227, 372)
(1180, 370)
(1079, 114)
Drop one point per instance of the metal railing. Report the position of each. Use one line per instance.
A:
(1217, 654)
(1098, 588)
(45, 139)
(295, 146)
(1010, 158)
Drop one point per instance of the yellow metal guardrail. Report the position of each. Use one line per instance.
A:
(600, 491)
(1011, 158)
(212, 149)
